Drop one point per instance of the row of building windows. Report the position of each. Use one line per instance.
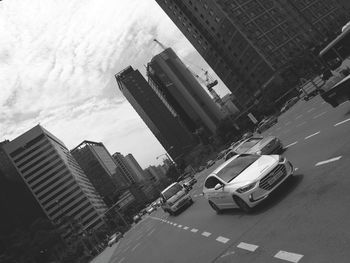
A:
(44, 174)
(49, 190)
(60, 206)
(27, 145)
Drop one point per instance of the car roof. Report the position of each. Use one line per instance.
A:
(169, 187)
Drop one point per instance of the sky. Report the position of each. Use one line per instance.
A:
(58, 59)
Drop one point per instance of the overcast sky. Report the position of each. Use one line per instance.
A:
(57, 64)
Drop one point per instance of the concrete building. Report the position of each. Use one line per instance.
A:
(164, 122)
(55, 179)
(124, 165)
(135, 167)
(247, 43)
(101, 169)
(168, 74)
(19, 209)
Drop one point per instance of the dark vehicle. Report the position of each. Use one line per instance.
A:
(136, 218)
(289, 104)
(189, 182)
(266, 124)
(337, 93)
(210, 163)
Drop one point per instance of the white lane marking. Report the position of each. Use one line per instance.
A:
(329, 161)
(186, 227)
(312, 135)
(300, 124)
(287, 256)
(296, 169)
(227, 254)
(150, 233)
(222, 239)
(194, 230)
(310, 110)
(278, 128)
(206, 234)
(174, 224)
(126, 248)
(299, 116)
(290, 145)
(179, 226)
(121, 260)
(342, 122)
(342, 103)
(247, 246)
(319, 115)
(135, 246)
(287, 123)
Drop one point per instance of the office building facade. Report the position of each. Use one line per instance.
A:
(168, 74)
(163, 121)
(128, 172)
(248, 42)
(55, 179)
(135, 167)
(100, 168)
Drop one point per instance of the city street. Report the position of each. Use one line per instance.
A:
(305, 220)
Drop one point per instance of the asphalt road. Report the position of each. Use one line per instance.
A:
(305, 220)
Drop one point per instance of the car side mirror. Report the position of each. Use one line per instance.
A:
(219, 186)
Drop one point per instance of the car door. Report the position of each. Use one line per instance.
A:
(219, 196)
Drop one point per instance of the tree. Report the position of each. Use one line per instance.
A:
(172, 173)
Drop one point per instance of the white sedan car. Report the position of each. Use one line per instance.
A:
(245, 180)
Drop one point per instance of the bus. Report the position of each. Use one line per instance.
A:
(338, 50)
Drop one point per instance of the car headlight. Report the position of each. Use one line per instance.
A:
(246, 188)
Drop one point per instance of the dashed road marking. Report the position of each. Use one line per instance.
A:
(229, 253)
(319, 115)
(277, 129)
(342, 122)
(149, 233)
(329, 161)
(180, 226)
(291, 144)
(287, 123)
(121, 260)
(126, 248)
(299, 116)
(247, 246)
(312, 135)
(186, 227)
(206, 234)
(194, 230)
(301, 124)
(287, 256)
(222, 239)
(310, 110)
(174, 224)
(135, 246)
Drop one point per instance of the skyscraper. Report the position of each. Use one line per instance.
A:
(167, 73)
(135, 167)
(247, 43)
(160, 118)
(55, 179)
(100, 168)
(120, 159)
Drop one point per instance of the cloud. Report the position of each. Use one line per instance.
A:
(57, 66)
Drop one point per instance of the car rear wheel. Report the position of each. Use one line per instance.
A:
(215, 207)
(242, 205)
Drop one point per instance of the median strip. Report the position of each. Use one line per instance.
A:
(310, 110)
(247, 246)
(312, 135)
(342, 122)
(287, 256)
(222, 239)
(290, 145)
(329, 161)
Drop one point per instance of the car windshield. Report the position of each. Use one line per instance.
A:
(236, 167)
(172, 191)
(247, 145)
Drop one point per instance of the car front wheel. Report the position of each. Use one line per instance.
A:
(242, 205)
(215, 207)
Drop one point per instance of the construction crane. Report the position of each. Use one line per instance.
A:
(160, 44)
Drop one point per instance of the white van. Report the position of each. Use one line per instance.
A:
(175, 197)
